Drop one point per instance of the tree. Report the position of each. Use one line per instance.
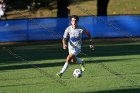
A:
(62, 8)
(102, 7)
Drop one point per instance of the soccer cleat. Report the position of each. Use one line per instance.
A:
(82, 67)
(59, 75)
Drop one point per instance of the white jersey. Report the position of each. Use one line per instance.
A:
(74, 36)
(1, 10)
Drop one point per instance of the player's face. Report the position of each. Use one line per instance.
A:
(74, 22)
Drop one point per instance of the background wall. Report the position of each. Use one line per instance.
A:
(53, 28)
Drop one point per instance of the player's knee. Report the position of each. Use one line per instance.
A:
(69, 58)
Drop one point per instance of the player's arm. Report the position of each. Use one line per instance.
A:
(64, 41)
(90, 38)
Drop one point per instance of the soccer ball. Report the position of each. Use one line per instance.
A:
(77, 73)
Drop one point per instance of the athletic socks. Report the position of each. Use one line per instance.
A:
(79, 61)
(64, 67)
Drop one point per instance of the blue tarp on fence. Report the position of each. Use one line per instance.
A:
(53, 28)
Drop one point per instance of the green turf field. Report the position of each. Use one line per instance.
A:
(113, 67)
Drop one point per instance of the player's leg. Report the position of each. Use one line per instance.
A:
(78, 60)
(66, 65)
(81, 62)
(68, 59)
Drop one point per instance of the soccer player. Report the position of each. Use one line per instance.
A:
(73, 34)
(2, 9)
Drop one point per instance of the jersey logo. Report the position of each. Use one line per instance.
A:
(74, 39)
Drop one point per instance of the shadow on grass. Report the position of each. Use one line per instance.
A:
(114, 50)
(134, 90)
(26, 64)
(17, 85)
(44, 52)
(36, 53)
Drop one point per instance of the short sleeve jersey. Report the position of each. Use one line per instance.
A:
(74, 36)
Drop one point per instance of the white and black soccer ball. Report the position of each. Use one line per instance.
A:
(77, 73)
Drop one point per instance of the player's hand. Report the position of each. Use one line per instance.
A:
(91, 46)
(65, 46)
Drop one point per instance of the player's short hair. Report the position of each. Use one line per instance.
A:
(75, 17)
